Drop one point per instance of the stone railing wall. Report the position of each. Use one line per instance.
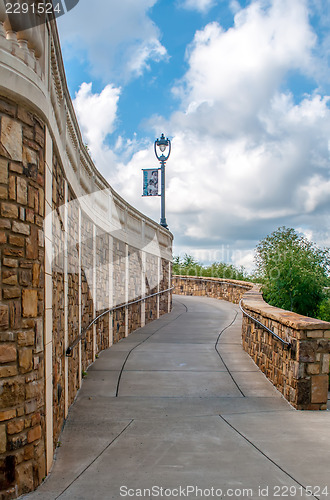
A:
(300, 372)
(218, 288)
(70, 248)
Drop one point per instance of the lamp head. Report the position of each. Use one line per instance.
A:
(162, 144)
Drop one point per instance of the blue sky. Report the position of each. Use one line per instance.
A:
(241, 88)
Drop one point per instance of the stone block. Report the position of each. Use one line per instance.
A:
(22, 213)
(31, 406)
(12, 187)
(24, 477)
(11, 293)
(25, 277)
(18, 169)
(9, 277)
(34, 389)
(34, 434)
(13, 252)
(15, 426)
(25, 116)
(32, 250)
(306, 352)
(315, 334)
(15, 313)
(4, 316)
(313, 368)
(25, 360)
(21, 228)
(30, 160)
(303, 393)
(21, 196)
(29, 452)
(35, 274)
(325, 363)
(3, 439)
(7, 108)
(3, 171)
(11, 138)
(3, 192)
(319, 389)
(39, 135)
(9, 262)
(16, 241)
(39, 336)
(9, 210)
(29, 303)
(13, 393)
(8, 371)
(7, 415)
(25, 338)
(8, 353)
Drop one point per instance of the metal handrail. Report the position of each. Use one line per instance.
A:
(284, 342)
(79, 338)
(210, 281)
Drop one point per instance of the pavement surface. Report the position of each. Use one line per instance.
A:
(179, 410)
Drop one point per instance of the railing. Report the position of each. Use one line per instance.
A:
(284, 342)
(127, 304)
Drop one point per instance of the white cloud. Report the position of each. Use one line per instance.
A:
(97, 114)
(120, 41)
(199, 5)
(246, 157)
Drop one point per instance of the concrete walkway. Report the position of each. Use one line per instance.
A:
(165, 409)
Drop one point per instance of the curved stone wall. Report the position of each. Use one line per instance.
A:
(301, 371)
(71, 249)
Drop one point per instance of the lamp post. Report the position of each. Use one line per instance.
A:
(162, 146)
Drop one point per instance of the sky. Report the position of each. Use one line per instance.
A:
(241, 88)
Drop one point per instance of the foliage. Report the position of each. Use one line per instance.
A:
(324, 309)
(188, 266)
(293, 270)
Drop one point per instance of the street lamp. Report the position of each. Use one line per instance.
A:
(162, 152)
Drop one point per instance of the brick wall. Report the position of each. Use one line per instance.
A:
(22, 449)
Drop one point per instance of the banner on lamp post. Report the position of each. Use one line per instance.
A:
(150, 182)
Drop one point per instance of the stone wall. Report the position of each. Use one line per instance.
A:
(218, 288)
(22, 422)
(70, 249)
(301, 371)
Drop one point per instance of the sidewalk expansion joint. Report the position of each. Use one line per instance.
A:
(96, 458)
(266, 456)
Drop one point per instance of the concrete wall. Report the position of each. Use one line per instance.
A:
(71, 248)
(299, 372)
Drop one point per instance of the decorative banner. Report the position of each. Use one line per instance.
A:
(150, 182)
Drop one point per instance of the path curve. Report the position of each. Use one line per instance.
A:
(179, 404)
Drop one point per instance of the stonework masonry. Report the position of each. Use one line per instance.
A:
(300, 372)
(71, 249)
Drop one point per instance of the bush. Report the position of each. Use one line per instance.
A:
(188, 266)
(293, 270)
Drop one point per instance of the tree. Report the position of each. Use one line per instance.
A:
(293, 270)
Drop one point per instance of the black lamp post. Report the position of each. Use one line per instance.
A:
(162, 152)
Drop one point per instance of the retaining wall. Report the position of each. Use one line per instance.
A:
(301, 371)
(70, 249)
